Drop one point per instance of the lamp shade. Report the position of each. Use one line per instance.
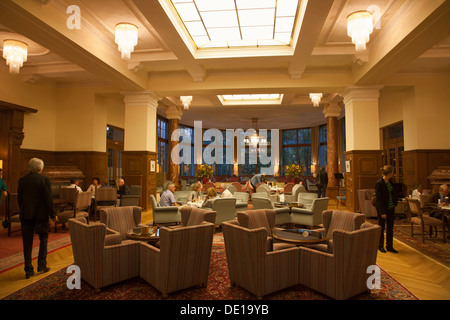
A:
(359, 28)
(126, 36)
(315, 98)
(186, 100)
(15, 52)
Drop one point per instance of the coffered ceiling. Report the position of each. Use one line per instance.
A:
(413, 37)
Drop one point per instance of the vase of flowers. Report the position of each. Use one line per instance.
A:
(205, 172)
(293, 172)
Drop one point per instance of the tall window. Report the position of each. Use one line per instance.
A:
(219, 169)
(163, 144)
(296, 149)
(255, 168)
(323, 146)
(187, 169)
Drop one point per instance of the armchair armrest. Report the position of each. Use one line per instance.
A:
(302, 211)
(167, 209)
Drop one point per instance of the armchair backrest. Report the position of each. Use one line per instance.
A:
(262, 203)
(260, 195)
(241, 197)
(232, 189)
(237, 185)
(289, 187)
(414, 207)
(262, 187)
(182, 196)
(105, 194)
(195, 216)
(253, 219)
(68, 194)
(83, 200)
(306, 197)
(153, 202)
(297, 189)
(121, 219)
(225, 209)
(342, 220)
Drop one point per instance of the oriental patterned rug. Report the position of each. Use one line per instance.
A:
(54, 287)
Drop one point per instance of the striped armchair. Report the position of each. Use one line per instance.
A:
(195, 216)
(342, 274)
(182, 260)
(252, 267)
(336, 219)
(102, 256)
(121, 219)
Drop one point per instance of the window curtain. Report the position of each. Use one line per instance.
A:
(315, 145)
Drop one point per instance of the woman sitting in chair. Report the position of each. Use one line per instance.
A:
(212, 195)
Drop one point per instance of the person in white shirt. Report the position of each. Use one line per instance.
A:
(224, 193)
(74, 182)
(95, 184)
(417, 192)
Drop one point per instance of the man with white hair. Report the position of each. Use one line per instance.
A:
(168, 197)
(36, 208)
(224, 193)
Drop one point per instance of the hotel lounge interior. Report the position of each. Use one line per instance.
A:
(349, 85)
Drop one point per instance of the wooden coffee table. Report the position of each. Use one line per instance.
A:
(150, 237)
(288, 204)
(299, 237)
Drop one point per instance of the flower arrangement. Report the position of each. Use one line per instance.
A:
(205, 171)
(293, 171)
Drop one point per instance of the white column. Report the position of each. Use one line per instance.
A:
(362, 123)
(140, 121)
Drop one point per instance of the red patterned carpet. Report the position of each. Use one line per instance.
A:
(54, 287)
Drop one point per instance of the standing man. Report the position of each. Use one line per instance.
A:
(36, 208)
(322, 183)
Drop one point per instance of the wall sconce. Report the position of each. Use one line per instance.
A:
(315, 98)
(359, 28)
(126, 37)
(1, 164)
(186, 100)
(15, 52)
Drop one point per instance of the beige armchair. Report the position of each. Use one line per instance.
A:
(195, 216)
(182, 260)
(342, 274)
(102, 256)
(163, 215)
(241, 201)
(132, 199)
(364, 196)
(265, 188)
(306, 198)
(82, 204)
(295, 192)
(121, 219)
(252, 266)
(225, 209)
(282, 215)
(312, 216)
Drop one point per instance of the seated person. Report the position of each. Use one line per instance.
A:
(95, 184)
(440, 196)
(74, 183)
(212, 195)
(224, 193)
(168, 197)
(417, 192)
(196, 192)
(123, 188)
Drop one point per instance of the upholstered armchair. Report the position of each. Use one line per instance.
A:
(265, 188)
(312, 186)
(182, 259)
(182, 196)
(288, 188)
(121, 219)
(364, 196)
(238, 187)
(295, 192)
(232, 189)
(225, 209)
(306, 198)
(195, 216)
(312, 216)
(241, 200)
(164, 214)
(102, 256)
(262, 194)
(252, 266)
(82, 204)
(338, 220)
(282, 215)
(343, 273)
(104, 198)
(132, 199)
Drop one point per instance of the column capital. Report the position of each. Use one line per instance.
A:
(332, 110)
(174, 112)
(361, 93)
(142, 98)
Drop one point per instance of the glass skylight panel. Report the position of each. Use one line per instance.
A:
(234, 23)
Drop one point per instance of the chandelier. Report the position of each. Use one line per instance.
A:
(315, 98)
(126, 37)
(186, 100)
(255, 139)
(359, 28)
(15, 52)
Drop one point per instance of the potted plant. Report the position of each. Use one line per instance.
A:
(205, 172)
(293, 172)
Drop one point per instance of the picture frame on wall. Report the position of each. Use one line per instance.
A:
(152, 166)
(347, 166)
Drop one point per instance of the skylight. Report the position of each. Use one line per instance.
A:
(241, 99)
(238, 23)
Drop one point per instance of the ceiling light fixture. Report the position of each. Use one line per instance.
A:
(315, 98)
(186, 100)
(359, 28)
(126, 37)
(15, 52)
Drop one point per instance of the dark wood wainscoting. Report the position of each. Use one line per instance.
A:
(136, 169)
(419, 164)
(91, 163)
(364, 172)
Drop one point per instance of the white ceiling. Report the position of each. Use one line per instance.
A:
(324, 59)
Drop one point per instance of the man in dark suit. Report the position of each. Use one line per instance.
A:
(36, 207)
